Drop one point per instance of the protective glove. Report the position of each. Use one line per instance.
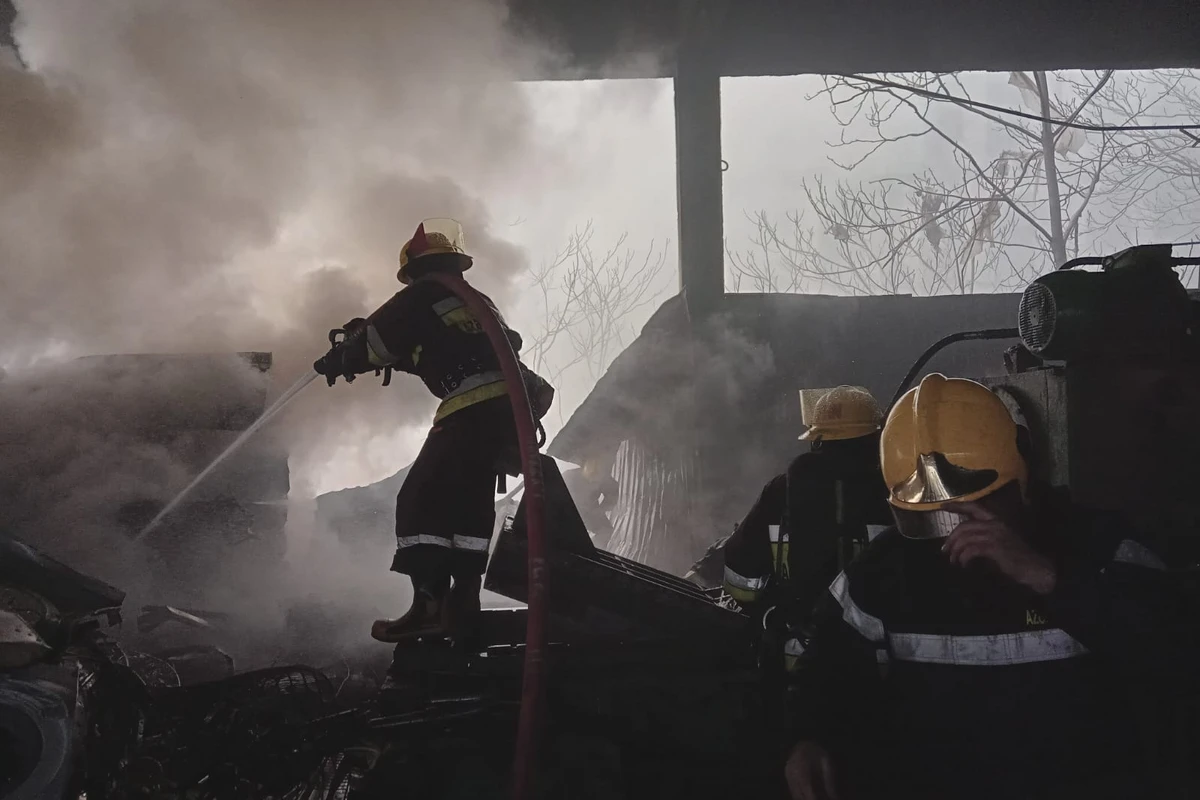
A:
(343, 358)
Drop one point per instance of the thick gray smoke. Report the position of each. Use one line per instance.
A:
(229, 176)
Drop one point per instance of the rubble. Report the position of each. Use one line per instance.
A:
(631, 691)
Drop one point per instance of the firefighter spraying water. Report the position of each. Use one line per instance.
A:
(445, 510)
(455, 340)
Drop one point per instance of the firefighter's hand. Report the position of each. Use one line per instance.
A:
(983, 535)
(809, 773)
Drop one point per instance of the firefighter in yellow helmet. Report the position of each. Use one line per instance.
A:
(809, 521)
(445, 510)
(975, 649)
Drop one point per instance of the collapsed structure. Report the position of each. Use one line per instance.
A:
(692, 420)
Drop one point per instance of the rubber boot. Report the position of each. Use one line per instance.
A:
(462, 610)
(427, 617)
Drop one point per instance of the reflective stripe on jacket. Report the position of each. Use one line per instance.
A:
(940, 681)
(752, 552)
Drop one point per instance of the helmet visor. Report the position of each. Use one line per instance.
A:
(935, 524)
(937, 480)
(441, 235)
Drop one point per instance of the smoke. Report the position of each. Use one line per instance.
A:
(229, 176)
(232, 176)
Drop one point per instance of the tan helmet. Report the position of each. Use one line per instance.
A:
(436, 236)
(949, 440)
(844, 412)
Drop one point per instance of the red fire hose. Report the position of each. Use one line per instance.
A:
(529, 724)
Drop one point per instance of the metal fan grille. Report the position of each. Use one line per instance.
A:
(1036, 317)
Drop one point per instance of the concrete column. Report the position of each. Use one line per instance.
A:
(698, 182)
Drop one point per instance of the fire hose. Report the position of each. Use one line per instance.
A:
(529, 723)
(528, 726)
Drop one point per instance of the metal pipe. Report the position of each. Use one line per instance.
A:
(945, 341)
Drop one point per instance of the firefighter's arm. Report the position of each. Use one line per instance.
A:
(748, 552)
(388, 336)
(834, 704)
(1107, 590)
(841, 670)
(1129, 608)
(381, 341)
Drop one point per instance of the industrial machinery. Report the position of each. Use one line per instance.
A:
(1107, 376)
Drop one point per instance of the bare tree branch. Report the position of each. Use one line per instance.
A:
(589, 300)
(995, 217)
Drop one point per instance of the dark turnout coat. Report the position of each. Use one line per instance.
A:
(930, 680)
(788, 546)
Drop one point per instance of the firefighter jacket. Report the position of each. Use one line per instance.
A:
(929, 680)
(754, 553)
(426, 330)
(789, 546)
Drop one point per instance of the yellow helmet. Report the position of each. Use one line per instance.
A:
(437, 236)
(844, 412)
(948, 440)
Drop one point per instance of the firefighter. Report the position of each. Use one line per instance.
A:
(983, 647)
(445, 510)
(810, 520)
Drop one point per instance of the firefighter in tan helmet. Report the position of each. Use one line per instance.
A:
(811, 519)
(976, 648)
(446, 506)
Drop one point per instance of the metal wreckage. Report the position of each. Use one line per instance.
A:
(654, 688)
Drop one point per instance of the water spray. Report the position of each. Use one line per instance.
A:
(236, 445)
